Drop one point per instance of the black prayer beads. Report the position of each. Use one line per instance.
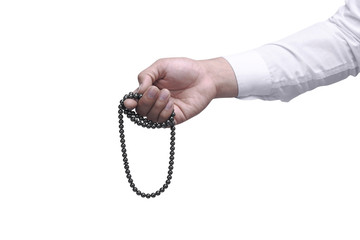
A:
(146, 123)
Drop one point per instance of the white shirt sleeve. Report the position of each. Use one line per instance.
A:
(320, 55)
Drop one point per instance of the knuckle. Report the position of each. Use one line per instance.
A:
(140, 77)
(160, 60)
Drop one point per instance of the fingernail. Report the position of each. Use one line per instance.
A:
(151, 93)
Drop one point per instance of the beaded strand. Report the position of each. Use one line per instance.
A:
(146, 123)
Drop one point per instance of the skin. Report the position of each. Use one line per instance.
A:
(182, 84)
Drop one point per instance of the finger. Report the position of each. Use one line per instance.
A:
(159, 105)
(166, 112)
(131, 103)
(147, 101)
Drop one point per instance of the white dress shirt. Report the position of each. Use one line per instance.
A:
(320, 55)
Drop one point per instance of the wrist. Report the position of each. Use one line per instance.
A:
(220, 72)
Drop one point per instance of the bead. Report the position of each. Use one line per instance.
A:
(172, 148)
(138, 192)
(133, 186)
(169, 177)
(153, 195)
(170, 172)
(143, 194)
(171, 157)
(171, 167)
(168, 181)
(128, 176)
(148, 195)
(157, 193)
(171, 162)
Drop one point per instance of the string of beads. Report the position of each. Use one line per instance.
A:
(146, 123)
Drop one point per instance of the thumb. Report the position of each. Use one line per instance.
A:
(151, 74)
(146, 79)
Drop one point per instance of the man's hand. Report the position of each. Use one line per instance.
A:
(182, 84)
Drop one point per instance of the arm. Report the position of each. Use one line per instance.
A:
(320, 55)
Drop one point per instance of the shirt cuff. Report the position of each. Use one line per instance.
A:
(252, 75)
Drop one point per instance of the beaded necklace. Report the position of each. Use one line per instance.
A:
(146, 123)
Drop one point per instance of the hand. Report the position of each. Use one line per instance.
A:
(184, 85)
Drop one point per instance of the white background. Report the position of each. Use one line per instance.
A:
(243, 169)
